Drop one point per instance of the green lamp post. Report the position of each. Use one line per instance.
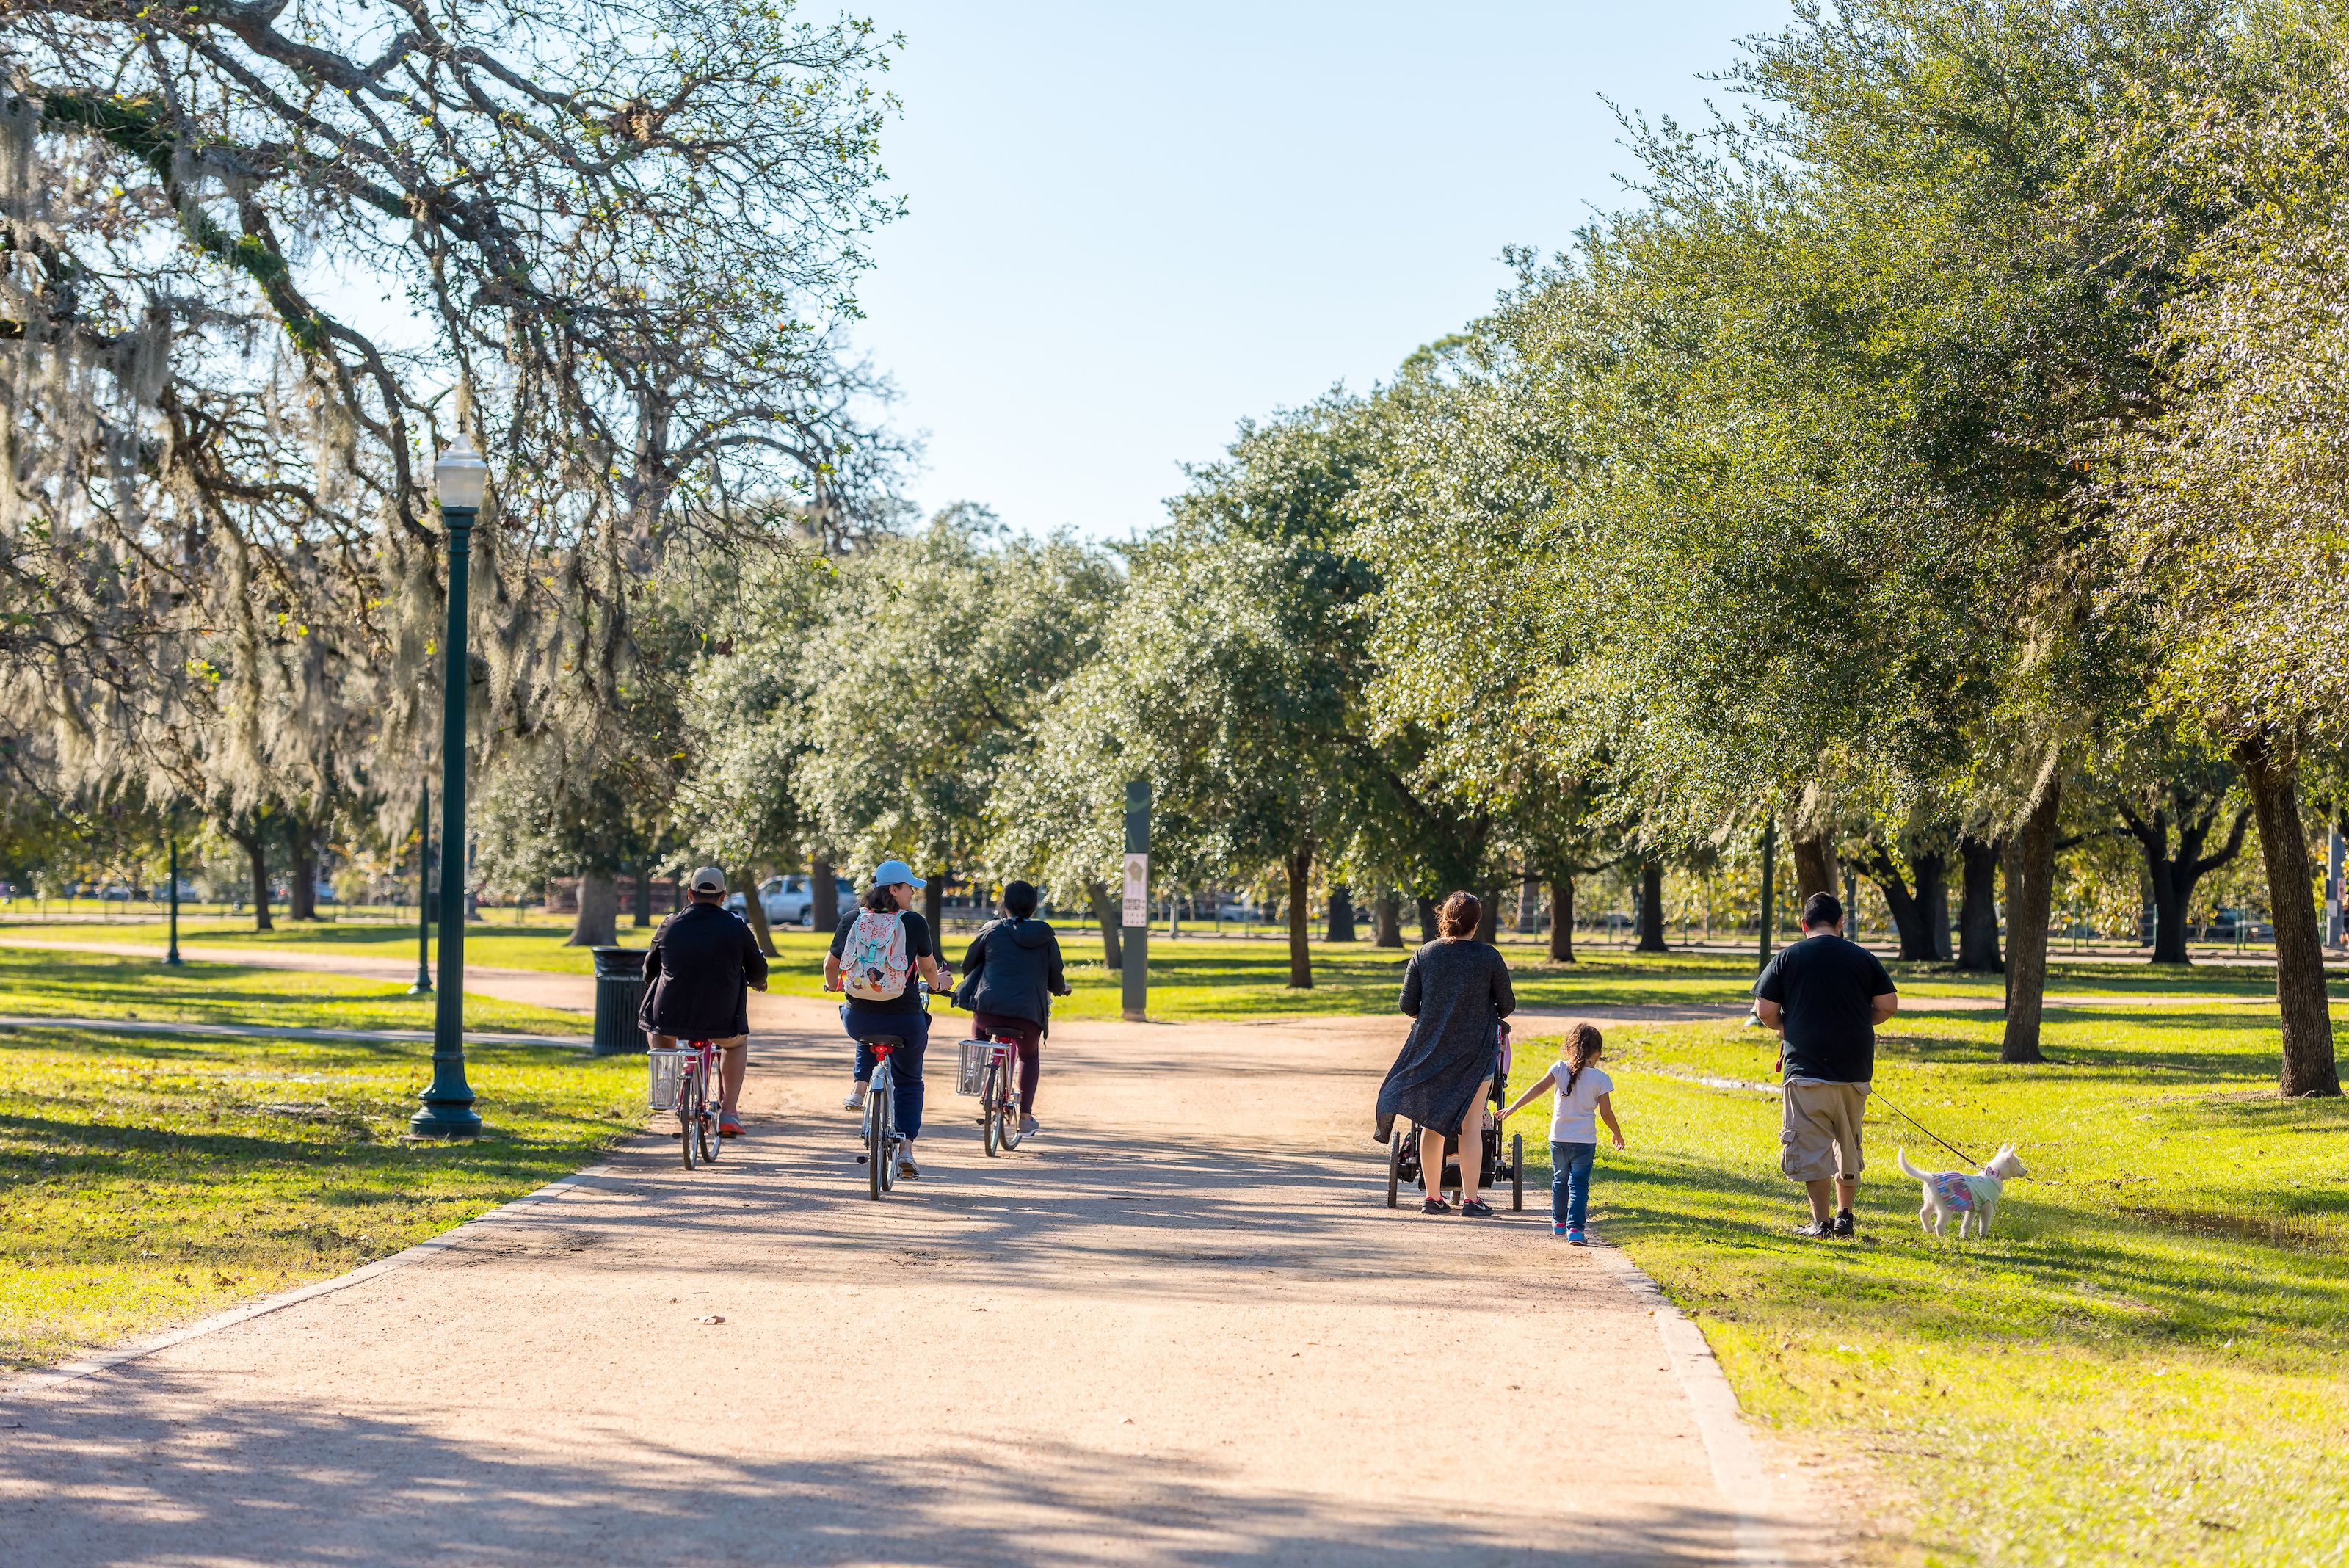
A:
(423, 986)
(171, 956)
(461, 476)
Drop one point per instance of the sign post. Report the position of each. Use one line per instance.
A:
(2333, 890)
(1134, 976)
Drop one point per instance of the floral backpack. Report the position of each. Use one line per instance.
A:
(873, 964)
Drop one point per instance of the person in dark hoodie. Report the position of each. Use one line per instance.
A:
(698, 974)
(1009, 978)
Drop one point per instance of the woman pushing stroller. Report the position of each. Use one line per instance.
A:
(1456, 992)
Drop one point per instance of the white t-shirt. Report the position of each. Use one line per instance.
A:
(1574, 1118)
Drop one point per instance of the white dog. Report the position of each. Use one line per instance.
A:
(1969, 1197)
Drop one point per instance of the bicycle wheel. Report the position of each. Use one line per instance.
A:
(878, 1178)
(990, 1104)
(1012, 1109)
(688, 1116)
(1394, 1163)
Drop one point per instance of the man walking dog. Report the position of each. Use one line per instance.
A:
(1825, 996)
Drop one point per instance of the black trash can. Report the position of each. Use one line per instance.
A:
(619, 993)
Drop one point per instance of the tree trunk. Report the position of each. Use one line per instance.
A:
(1387, 919)
(1341, 913)
(1933, 898)
(599, 912)
(1108, 914)
(1529, 903)
(644, 895)
(934, 907)
(2168, 912)
(256, 852)
(2174, 876)
(824, 892)
(1651, 908)
(1978, 905)
(754, 909)
(1561, 918)
(1427, 932)
(2030, 895)
(302, 881)
(2309, 1065)
(1815, 871)
(1908, 916)
(1301, 936)
(1489, 914)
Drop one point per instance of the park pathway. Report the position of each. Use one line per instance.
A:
(1181, 1328)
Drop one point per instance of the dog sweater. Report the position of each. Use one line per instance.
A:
(1954, 1191)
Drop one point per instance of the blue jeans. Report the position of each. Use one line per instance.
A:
(906, 1061)
(1570, 1182)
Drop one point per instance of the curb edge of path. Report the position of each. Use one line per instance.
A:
(51, 1378)
(1738, 1472)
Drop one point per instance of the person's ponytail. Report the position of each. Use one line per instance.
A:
(1582, 1048)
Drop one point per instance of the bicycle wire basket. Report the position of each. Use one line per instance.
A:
(974, 1066)
(664, 1070)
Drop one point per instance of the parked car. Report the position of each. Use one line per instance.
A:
(793, 901)
(789, 901)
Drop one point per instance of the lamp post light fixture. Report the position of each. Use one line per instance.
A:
(446, 1111)
(423, 986)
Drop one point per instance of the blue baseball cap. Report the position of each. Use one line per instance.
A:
(893, 871)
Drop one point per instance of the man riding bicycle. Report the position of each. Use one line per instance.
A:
(698, 974)
(881, 944)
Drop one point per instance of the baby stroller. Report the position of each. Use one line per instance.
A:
(1403, 1145)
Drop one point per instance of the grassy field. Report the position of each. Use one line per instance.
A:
(150, 1179)
(1214, 977)
(2146, 1364)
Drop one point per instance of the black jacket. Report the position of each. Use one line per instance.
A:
(1013, 969)
(697, 975)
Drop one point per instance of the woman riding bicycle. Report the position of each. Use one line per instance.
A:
(892, 944)
(1009, 978)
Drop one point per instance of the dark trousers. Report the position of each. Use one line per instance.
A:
(1031, 1036)
(906, 1061)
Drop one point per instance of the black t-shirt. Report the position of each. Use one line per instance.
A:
(917, 947)
(1827, 987)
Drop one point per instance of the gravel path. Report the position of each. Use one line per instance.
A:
(1181, 1328)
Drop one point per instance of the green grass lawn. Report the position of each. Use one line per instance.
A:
(2145, 1364)
(34, 984)
(148, 1180)
(1218, 977)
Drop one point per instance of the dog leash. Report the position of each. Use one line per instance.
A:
(1875, 1094)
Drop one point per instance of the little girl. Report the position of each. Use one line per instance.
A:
(1582, 1090)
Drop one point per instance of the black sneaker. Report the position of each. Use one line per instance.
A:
(1817, 1229)
(1434, 1206)
(1843, 1224)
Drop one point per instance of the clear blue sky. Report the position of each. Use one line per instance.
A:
(1133, 225)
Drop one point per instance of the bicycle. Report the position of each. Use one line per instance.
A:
(882, 1141)
(679, 1079)
(990, 1069)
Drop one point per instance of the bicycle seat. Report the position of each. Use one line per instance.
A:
(893, 1039)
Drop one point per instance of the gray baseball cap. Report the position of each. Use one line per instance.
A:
(709, 880)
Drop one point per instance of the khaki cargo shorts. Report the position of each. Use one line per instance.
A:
(1820, 1136)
